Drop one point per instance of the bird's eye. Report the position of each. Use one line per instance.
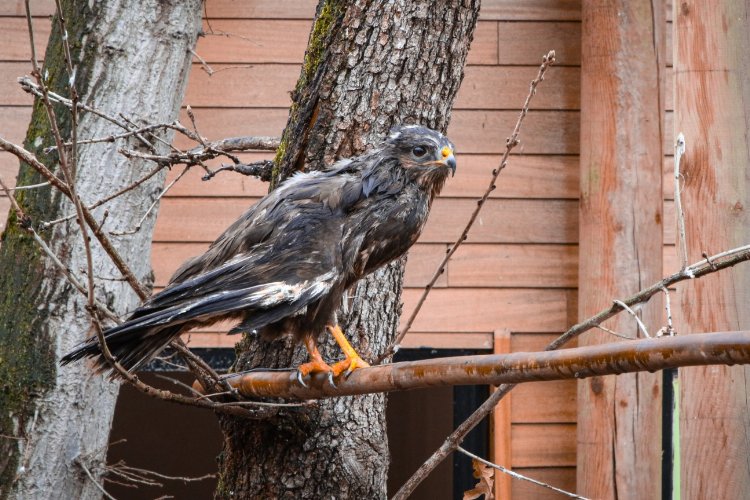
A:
(419, 151)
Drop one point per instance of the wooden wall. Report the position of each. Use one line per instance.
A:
(518, 269)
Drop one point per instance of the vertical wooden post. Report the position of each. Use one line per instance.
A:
(501, 422)
(619, 450)
(712, 109)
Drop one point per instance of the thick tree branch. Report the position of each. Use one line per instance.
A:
(650, 354)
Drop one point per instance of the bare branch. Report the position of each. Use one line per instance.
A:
(210, 151)
(206, 67)
(510, 143)
(151, 207)
(262, 169)
(516, 475)
(93, 480)
(641, 326)
(605, 359)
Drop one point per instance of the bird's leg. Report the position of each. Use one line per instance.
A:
(353, 361)
(316, 363)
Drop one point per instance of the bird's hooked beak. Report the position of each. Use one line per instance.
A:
(448, 159)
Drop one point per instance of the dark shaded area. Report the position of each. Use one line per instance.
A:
(183, 441)
(163, 437)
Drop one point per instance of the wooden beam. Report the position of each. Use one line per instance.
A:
(620, 239)
(712, 109)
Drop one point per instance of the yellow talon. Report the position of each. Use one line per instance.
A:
(353, 360)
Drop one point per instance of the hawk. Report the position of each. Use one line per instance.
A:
(284, 265)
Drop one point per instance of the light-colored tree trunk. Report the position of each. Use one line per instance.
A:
(368, 66)
(712, 109)
(132, 57)
(619, 417)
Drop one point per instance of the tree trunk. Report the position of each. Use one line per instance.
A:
(618, 451)
(712, 109)
(368, 66)
(133, 58)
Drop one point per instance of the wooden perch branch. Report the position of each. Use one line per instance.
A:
(208, 151)
(650, 354)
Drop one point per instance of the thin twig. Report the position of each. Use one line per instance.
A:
(262, 169)
(93, 480)
(516, 475)
(29, 187)
(203, 62)
(679, 150)
(510, 143)
(668, 307)
(151, 207)
(612, 332)
(641, 326)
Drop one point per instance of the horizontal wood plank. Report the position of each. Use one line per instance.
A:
(268, 85)
(488, 309)
(484, 87)
(525, 176)
(543, 132)
(545, 402)
(483, 49)
(15, 36)
(543, 445)
(532, 10)
(16, 8)
(541, 10)
(438, 340)
(501, 221)
(253, 40)
(514, 266)
(526, 42)
(506, 87)
(218, 124)
(563, 478)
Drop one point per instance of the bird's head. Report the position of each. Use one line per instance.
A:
(422, 149)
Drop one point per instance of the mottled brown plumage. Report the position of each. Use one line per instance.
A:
(283, 267)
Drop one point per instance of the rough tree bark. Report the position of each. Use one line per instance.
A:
(132, 57)
(368, 66)
(619, 418)
(712, 109)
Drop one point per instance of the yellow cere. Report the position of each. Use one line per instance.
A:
(446, 152)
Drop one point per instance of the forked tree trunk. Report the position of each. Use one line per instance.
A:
(368, 66)
(132, 57)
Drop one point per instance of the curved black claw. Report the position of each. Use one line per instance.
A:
(330, 380)
(301, 381)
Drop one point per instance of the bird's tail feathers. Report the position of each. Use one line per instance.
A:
(131, 348)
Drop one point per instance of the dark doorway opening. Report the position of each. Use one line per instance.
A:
(183, 441)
